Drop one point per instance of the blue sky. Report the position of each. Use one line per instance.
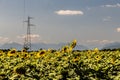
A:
(91, 22)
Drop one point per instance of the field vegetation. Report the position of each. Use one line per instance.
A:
(63, 64)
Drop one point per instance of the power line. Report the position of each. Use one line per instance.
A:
(24, 11)
(27, 42)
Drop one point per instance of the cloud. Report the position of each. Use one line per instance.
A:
(99, 41)
(111, 6)
(118, 29)
(92, 41)
(32, 36)
(35, 36)
(69, 12)
(4, 39)
(106, 41)
(107, 19)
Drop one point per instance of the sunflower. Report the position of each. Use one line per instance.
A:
(70, 49)
(24, 53)
(76, 59)
(49, 50)
(73, 44)
(1, 52)
(98, 57)
(89, 53)
(41, 53)
(67, 49)
(96, 50)
(23, 50)
(12, 52)
(19, 70)
(112, 60)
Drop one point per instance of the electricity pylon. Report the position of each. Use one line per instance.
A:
(27, 43)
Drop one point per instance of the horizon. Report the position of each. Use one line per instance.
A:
(90, 22)
(37, 46)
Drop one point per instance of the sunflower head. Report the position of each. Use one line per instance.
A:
(12, 52)
(20, 70)
(73, 44)
(41, 53)
(96, 50)
(2, 75)
(65, 49)
(76, 59)
(113, 60)
(1, 52)
(98, 57)
(24, 50)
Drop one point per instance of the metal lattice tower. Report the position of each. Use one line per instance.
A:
(27, 43)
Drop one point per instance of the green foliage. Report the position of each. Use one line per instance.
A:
(61, 64)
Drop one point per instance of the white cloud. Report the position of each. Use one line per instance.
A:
(32, 36)
(107, 19)
(118, 29)
(69, 12)
(92, 41)
(35, 36)
(111, 6)
(106, 41)
(4, 39)
(99, 41)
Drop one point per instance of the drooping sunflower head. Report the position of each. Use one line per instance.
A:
(50, 50)
(12, 52)
(65, 49)
(23, 50)
(96, 50)
(73, 44)
(41, 53)
(19, 70)
(2, 75)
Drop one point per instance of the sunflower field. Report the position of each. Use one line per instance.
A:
(63, 64)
